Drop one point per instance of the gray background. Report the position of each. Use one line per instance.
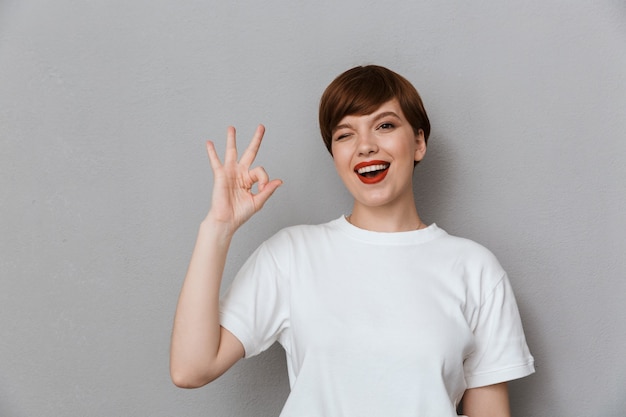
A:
(104, 109)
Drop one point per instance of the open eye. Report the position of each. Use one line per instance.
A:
(386, 126)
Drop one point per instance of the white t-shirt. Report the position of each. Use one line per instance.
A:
(378, 324)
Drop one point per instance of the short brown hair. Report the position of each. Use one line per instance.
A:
(361, 90)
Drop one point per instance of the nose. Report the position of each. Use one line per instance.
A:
(367, 144)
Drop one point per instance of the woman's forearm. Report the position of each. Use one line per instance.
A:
(195, 356)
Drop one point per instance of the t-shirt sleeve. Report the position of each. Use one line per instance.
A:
(255, 307)
(501, 353)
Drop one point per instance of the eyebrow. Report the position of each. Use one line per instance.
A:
(386, 114)
(376, 118)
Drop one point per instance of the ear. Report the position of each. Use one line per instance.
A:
(420, 146)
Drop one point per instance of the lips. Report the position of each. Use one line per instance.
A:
(372, 172)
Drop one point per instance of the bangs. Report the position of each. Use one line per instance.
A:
(360, 96)
(356, 92)
(360, 91)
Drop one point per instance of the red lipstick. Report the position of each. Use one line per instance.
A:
(372, 172)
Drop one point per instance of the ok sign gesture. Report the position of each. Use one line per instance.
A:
(233, 201)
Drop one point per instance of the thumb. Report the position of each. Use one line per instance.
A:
(265, 192)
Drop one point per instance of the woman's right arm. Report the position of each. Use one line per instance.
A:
(201, 350)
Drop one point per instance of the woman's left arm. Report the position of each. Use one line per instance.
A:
(488, 401)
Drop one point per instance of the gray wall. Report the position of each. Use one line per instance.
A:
(104, 109)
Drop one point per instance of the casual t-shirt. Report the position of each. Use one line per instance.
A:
(378, 324)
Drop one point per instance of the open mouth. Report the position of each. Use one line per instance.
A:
(372, 172)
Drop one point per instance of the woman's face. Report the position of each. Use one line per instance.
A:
(374, 155)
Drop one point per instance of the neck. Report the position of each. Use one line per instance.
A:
(385, 219)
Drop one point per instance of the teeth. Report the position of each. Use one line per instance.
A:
(371, 168)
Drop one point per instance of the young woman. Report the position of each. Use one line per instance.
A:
(379, 314)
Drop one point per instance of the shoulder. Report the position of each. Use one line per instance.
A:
(302, 233)
(303, 230)
(471, 259)
(466, 249)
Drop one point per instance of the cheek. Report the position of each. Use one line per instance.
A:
(340, 168)
(340, 157)
(336, 162)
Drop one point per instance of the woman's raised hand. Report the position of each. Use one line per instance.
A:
(201, 349)
(233, 201)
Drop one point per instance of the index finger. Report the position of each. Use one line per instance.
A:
(213, 158)
(253, 148)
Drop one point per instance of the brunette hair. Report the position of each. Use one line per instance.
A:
(361, 90)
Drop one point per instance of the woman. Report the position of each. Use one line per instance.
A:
(379, 313)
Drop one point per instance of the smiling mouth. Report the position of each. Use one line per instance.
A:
(372, 172)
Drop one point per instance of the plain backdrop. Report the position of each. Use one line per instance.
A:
(104, 110)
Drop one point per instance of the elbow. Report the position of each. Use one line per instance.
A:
(183, 381)
(186, 377)
(186, 383)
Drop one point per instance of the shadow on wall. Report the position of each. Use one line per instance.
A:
(433, 182)
(436, 183)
